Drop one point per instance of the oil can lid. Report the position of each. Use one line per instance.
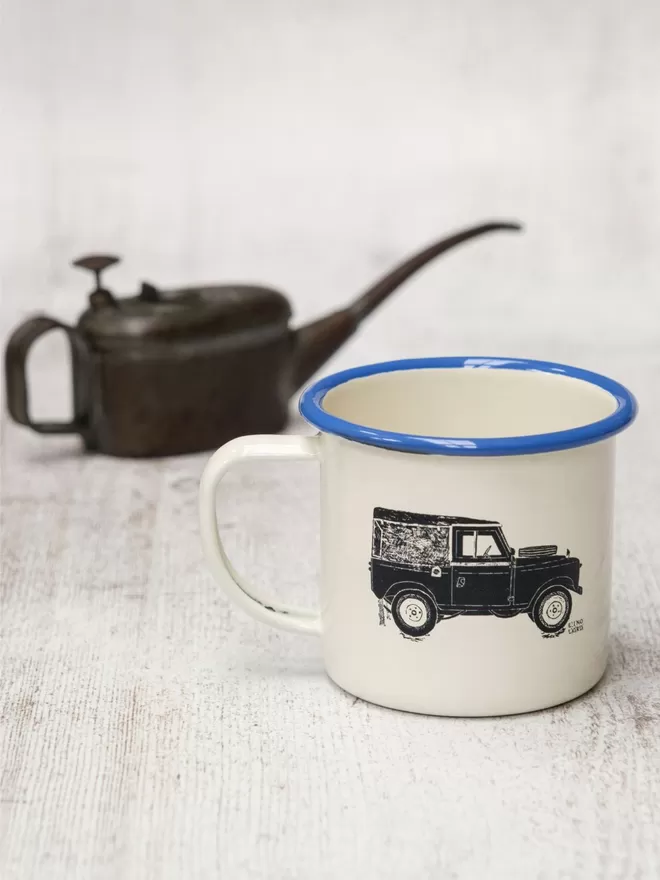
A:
(156, 315)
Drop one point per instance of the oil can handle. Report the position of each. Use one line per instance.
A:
(241, 449)
(16, 354)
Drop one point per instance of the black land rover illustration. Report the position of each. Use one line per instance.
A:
(425, 568)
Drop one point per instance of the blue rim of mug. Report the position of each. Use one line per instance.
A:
(311, 408)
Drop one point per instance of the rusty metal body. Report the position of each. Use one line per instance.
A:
(186, 396)
(168, 372)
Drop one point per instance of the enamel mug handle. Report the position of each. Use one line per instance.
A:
(240, 449)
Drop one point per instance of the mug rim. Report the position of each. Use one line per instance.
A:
(311, 408)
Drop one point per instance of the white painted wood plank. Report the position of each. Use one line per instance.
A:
(151, 731)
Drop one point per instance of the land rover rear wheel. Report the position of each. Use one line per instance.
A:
(414, 612)
(552, 609)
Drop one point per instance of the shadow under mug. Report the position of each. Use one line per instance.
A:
(466, 530)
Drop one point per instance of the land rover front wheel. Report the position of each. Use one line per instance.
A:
(552, 609)
(414, 612)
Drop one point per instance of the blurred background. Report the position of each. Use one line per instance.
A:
(311, 145)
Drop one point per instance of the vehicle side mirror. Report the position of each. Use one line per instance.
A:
(512, 552)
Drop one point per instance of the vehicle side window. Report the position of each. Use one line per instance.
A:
(466, 544)
(487, 546)
(478, 544)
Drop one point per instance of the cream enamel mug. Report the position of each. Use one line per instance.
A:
(466, 530)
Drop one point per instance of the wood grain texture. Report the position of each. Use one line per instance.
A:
(149, 730)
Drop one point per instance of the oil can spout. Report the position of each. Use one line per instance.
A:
(318, 341)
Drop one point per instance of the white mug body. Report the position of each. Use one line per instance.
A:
(466, 531)
(485, 647)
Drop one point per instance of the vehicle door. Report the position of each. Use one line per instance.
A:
(481, 568)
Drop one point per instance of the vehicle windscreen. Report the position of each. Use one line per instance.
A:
(410, 543)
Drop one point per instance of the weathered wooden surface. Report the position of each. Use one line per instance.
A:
(147, 730)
